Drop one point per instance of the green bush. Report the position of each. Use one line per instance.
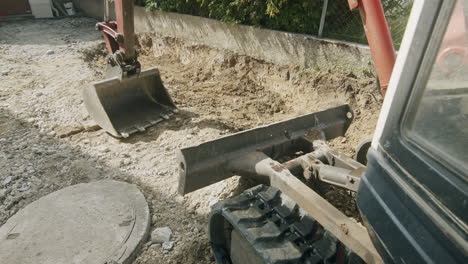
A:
(299, 16)
(192, 7)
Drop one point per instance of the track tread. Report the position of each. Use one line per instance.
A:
(267, 232)
(252, 214)
(275, 227)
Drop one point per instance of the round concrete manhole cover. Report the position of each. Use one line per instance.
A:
(99, 222)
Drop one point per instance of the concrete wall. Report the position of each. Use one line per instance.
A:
(274, 46)
(91, 8)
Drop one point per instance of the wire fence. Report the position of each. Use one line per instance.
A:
(341, 23)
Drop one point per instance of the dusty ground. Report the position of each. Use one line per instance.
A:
(46, 144)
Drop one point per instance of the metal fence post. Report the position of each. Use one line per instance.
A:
(322, 19)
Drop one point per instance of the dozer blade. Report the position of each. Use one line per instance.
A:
(216, 160)
(123, 106)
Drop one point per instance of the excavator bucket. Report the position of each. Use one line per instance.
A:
(123, 106)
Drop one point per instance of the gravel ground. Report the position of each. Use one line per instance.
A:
(48, 140)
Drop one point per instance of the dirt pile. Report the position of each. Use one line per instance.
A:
(243, 92)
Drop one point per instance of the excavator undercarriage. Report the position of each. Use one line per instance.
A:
(262, 225)
(290, 156)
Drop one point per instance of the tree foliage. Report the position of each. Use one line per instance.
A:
(300, 16)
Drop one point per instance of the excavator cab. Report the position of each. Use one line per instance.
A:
(413, 196)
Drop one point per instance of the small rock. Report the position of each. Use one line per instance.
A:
(343, 140)
(50, 52)
(104, 149)
(51, 134)
(2, 193)
(7, 180)
(36, 150)
(3, 140)
(168, 245)
(23, 188)
(50, 151)
(5, 73)
(161, 235)
(126, 162)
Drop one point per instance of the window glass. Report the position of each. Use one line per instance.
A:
(438, 123)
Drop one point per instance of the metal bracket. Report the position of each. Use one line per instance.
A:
(119, 36)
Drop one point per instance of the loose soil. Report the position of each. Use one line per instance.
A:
(48, 140)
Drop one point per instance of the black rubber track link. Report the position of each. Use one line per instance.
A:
(268, 227)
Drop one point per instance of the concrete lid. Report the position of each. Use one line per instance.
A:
(99, 222)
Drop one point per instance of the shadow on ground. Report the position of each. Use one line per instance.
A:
(44, 164)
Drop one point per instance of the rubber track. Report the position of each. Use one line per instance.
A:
(276, 228)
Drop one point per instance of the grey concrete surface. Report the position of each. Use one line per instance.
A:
(273, 46)
(101, 222)
(270, 45)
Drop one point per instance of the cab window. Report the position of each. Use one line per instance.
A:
(438, 122)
